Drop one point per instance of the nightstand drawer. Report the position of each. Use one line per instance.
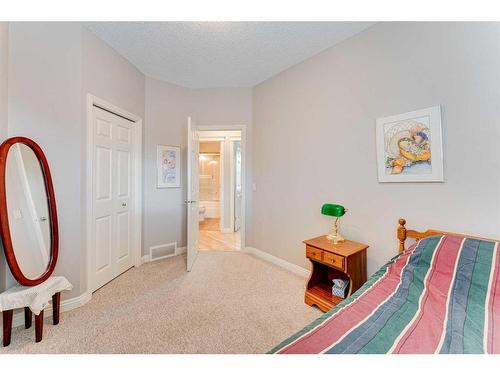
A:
(313, 253)
(333, 259)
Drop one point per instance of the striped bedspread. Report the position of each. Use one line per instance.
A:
(442, 295)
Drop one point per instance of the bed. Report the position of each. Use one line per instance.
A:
(440, 295)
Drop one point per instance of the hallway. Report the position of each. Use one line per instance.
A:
(212, 239)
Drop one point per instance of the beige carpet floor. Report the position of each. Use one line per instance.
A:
(231, 302)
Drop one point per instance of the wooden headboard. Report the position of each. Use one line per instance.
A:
(404, 233)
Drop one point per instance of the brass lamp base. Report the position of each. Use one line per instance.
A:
(335, 235)
(335, 238)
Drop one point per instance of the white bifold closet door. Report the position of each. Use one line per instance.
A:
(113, 204)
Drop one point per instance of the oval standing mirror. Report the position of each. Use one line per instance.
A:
(28, 219)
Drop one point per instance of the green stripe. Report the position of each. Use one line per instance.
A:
(474, 320)
(372, 280)
(385, 338)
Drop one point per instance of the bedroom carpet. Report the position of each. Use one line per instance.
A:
(231, 302)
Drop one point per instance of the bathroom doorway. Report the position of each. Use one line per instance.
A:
(220, 190)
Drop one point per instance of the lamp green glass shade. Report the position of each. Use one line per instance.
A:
(335, 210)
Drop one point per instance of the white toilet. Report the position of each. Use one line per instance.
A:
(201, 216)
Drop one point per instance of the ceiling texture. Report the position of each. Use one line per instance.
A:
(220, 54)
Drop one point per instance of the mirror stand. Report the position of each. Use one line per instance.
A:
(30, 237)
(28, 318)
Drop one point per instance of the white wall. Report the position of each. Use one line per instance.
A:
(167, 109)
(45, 105)
(314, 138)
(4, 54)
(313, 133)
(52, 66)
(109, 76)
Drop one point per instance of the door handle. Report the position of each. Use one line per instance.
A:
(190, 201)
(124, 204)
(43, 218)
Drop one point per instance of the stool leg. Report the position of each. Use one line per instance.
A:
(7, 326)
(39, 326)
(28, 317)
(56, 307)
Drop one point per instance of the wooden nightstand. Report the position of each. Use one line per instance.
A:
(346, 260)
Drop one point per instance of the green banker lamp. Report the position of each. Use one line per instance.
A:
(337, 211)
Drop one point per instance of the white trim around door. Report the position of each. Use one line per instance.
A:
(136, 240)
(243, 130)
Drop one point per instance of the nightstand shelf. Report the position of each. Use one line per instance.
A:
(346, 260)
(323, 292)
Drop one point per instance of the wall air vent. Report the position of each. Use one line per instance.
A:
(162, 251)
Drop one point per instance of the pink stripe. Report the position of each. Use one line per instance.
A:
(338, 324)
(494, 310)
(424, 334)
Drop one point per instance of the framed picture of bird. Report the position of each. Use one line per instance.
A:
(409, 147)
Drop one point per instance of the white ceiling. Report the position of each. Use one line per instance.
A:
(220, 54)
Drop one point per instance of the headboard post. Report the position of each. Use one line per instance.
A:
(404, 233)
(401, 234)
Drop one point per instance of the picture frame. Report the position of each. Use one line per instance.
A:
(168, 166)
(409, 147)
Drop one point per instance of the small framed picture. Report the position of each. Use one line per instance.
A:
(409, 147)
(168, 166)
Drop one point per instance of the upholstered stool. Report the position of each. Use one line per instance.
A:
(33, 299)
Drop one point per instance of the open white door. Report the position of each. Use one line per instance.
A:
(237, 185)
(192, 194)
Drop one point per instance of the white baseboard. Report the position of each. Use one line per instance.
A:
(181, 250)
(278, 261)
(66, 305)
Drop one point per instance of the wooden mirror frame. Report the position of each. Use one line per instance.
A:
(4, 214)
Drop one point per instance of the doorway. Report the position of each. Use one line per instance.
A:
(220, 190)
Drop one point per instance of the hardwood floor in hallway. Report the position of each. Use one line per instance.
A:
(212, 239)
